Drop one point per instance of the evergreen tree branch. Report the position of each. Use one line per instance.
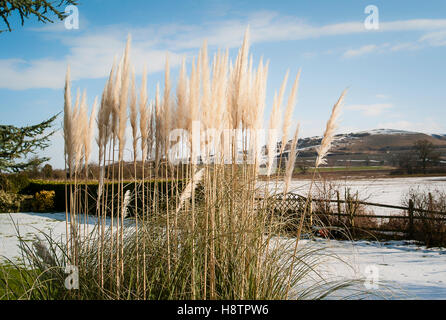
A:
(18, 143)
(41, 9)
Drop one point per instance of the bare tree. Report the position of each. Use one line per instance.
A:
(406, 161)
(425, 151)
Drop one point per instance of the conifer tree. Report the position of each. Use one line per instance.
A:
(17, 143)
(40, 9)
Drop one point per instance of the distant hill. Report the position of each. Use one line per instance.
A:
(374, 146)
(439, 136)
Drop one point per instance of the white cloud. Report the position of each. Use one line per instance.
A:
(431, 39)
(268, 26)
(370, 110)
(427, 125)
(413, 25)
(408, 46)
(384, 48)
(90, 57)
(91, 53)
(435, 39)
(43, 73)
(360, 51)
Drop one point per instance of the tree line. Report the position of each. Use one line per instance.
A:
(423, 158)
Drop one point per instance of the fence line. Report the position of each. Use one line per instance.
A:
(381, 205)
(293, 201)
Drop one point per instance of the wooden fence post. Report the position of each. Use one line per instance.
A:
(339, 204)
(354, 206)
(431, 202)
(411, 230)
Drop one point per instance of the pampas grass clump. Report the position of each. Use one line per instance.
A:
(212, 239)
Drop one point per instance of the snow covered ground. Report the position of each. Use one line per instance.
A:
(403, 270)
(391, 270)
(385, 191)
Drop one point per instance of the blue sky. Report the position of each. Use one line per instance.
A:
(395, 75)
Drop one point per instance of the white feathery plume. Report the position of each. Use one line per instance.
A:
(193, 106)
(88, 135)
(256, 110)
(192, 185)
(206, 90)
(289, 111)
(101, 123)
(272, 135)
(115, 91)
(134, 114)
(222, 110)
(68, 122)
(123, 98)
(126, 203)
(158, 125)
(238, 83)
(274, 123)
(291, 161)
(329, 132)
(282, 89)
(79, 126)
(152, 128)
(105, 115)
(182, 102)
(194, 96)
(43, 253)
(260, 93)
(109, 105)
(166, 119)
(144, 115)
(104, 123)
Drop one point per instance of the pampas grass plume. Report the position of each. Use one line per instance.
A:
(329, 134)
(134, 114)
(192, 185)
(289, 111)
(123, 98)
(68, 125)
(144, 115)
(291, 160)
(88, 134)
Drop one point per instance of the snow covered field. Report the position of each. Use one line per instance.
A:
(403, 270)
(385, 191)
(394, 269)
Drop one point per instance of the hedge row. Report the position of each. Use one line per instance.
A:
(61, 189)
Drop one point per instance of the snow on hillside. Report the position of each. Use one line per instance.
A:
(353, 135)
(310, 143)
(386, 131)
